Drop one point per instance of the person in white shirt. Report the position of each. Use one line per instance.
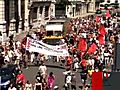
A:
(43, 69)
(18, 43)
(6, 58)
(91, 62)
(34, 35)
(18, 55)
(68, 79)
(10, 54)
(32, 57)
(12, 87)
(28, 86)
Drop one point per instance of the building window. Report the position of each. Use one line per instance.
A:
(78, 7)
(116, 1)
(35, 9)
(108, 1)
(2, 11)
(46, 11)
(11, 9)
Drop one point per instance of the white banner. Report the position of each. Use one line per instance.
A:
(43, 48)
(57, 47)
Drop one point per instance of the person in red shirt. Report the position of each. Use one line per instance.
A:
(21, 80)
(69, 61)
(83, 64)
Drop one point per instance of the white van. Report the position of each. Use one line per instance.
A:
(55, 27)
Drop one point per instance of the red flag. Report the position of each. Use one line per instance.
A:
(108, 14)
(82, 44)
(102, 30)
(97, 19)
(101, 39)
(84, 63)
(97, 83)
(92, 48)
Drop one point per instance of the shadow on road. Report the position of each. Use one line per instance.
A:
(50, 66)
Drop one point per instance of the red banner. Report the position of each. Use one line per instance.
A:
(82, 44)
(97, 82)
(92, 48)
(101, 39)
(102, 30)
(97, 19)
(108, 14)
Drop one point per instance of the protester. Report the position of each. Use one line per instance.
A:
(68, 79)
(37, 86)
(39, 78)
(21, 80)
(51, 81)
(12, 87)
(73, 82)
(1, 60)
(90, 44)
(43, 70)
(84, 76)
(28, 86)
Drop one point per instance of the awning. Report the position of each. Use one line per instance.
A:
(54, 27)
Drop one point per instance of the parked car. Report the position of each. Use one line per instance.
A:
(7, 76)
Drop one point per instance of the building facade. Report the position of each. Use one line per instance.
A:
(80, 7)
(18, 15)
(39, 10)
(10, 18)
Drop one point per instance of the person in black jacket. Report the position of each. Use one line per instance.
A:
(84, 74)
(1, 60)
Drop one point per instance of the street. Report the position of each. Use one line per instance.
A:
(56, 69)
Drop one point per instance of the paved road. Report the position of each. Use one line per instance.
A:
(56, 69)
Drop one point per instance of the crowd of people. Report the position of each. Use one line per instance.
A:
(91, 44)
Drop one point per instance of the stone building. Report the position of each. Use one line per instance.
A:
(10, 18)
(18, 15)
(80, 7)
(40, 10)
